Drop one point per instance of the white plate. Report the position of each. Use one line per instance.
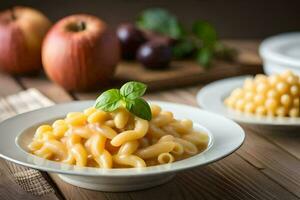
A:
(212, 97)
(15, 134)
(281, 52)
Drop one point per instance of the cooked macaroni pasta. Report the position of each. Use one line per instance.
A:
(119, 139)
(276, 95)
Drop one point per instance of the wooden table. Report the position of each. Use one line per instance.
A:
(267, 166)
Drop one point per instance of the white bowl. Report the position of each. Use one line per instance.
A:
(280, 53)
(16, 132)
(213, 101)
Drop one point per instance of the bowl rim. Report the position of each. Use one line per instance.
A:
(38, 116)
(267, 49)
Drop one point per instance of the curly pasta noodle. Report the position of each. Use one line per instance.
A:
(95, 138)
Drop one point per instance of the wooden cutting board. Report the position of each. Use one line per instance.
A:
(181, 73)
(188, 72)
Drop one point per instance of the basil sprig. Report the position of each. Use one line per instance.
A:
(199, 41)
(129, 97)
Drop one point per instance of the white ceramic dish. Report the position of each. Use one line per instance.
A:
(16, 132)
(280, 53)
(212, 96)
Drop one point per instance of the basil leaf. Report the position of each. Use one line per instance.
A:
(204, 56)
(160, 21)
(132, 90)
(183, 48)
(129, 104)
(205, 32)
(109, 100)
(141, 109)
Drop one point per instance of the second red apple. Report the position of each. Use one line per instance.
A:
(80, 52)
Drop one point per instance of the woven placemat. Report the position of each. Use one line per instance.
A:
(32, 181)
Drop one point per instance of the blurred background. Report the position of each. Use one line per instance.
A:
(232, 19)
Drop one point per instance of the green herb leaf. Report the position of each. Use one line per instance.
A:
(201, 42)
(140, 108)
(183, 48)
(129, 96)
(109, 100)
(160, 21)
(204, 56)
(129, 104)
(205, 32)
(132, 90)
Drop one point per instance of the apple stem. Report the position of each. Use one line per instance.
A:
(81, 26)
(77, 26)
(13, 16)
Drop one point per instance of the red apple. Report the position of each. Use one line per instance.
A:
(22, 30)
(80, 52)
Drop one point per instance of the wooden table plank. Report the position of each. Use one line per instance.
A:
(8, 85)
(248, 51)
(8, 188)
(279, 165)
(287, 140)
(48, 88)
(231, 178)
(75, 193)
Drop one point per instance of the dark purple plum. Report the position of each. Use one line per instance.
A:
(150, 35)
(130, 39)
(155, 54)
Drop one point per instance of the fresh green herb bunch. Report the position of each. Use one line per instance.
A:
(129, 97)
(201, 42)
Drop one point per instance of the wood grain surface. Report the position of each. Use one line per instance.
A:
(265, 167)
